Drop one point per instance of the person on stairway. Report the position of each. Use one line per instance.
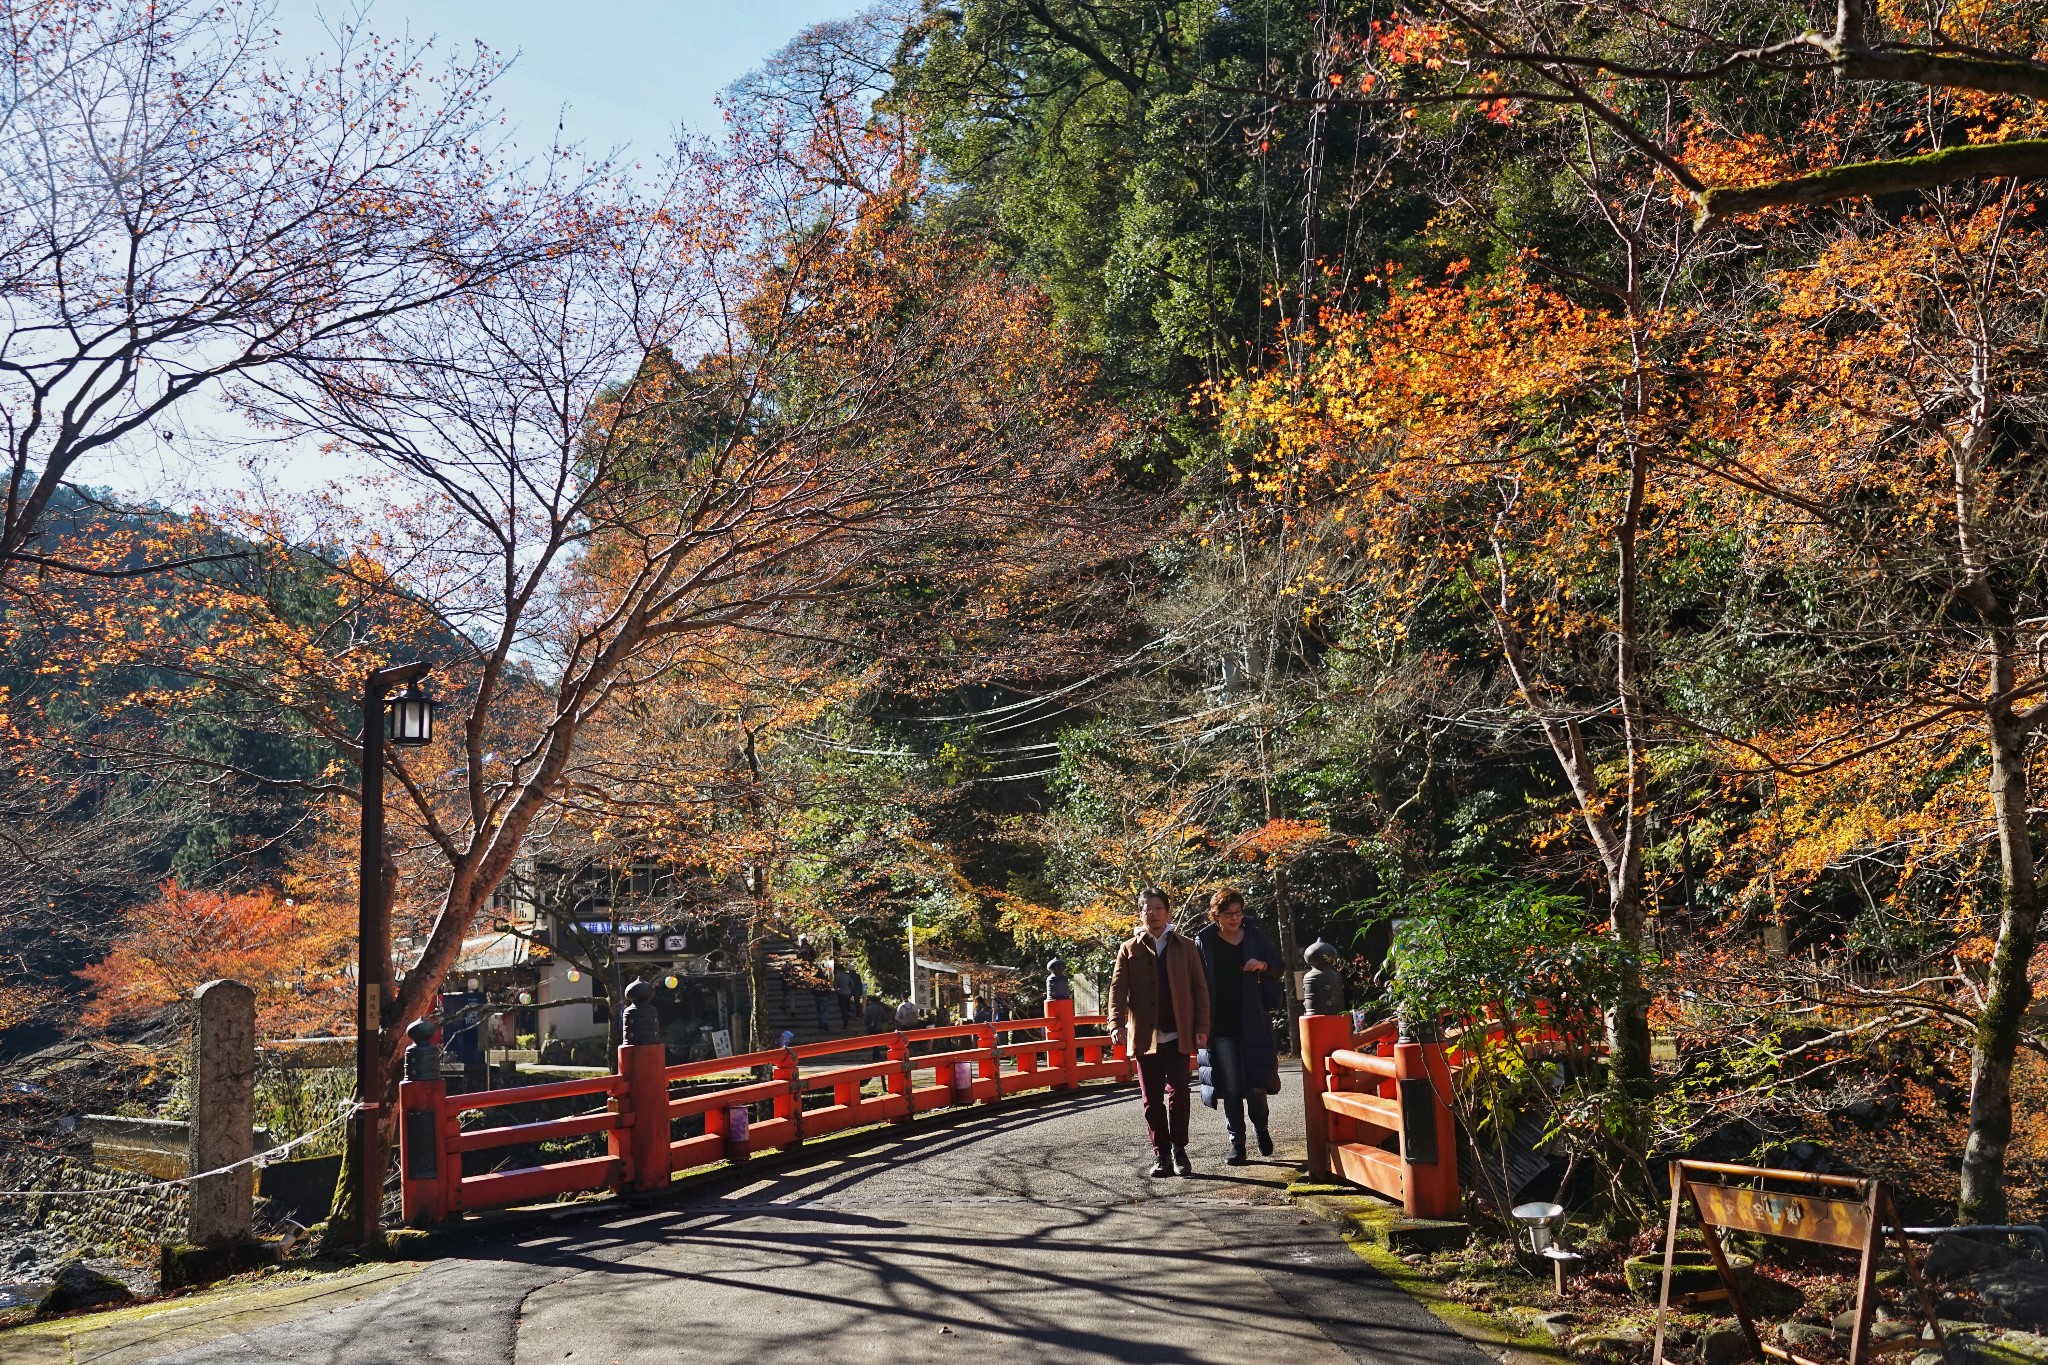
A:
(1241, 1065)
(1159, 1010)
(845, 986)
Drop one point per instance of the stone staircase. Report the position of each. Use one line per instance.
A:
(794, 1009)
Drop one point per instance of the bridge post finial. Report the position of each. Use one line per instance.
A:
(422, 1057)
(642, 1024)
(1322, 985)
(1057, 987)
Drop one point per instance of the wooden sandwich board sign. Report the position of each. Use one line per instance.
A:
(1856, 1223)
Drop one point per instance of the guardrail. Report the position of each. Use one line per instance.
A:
(1379, 1108)
(641, 1116)
(1379, 1114)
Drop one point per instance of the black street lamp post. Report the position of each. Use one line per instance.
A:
(406, 720)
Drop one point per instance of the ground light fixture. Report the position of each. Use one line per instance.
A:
(1543, 1222)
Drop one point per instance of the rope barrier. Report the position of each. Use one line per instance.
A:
(262, 1158)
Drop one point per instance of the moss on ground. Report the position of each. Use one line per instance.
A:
(1500, 1329)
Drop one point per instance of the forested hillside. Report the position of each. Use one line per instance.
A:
(1566, 477)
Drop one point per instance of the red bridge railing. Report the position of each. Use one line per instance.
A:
(1379, 1109)
(1379, 1113)
(920, 1070)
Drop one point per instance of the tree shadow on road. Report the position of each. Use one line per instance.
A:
(1053, 1248)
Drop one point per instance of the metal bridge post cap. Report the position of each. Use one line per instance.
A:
(422, 1058)
(643, 1025)
(1322, 985)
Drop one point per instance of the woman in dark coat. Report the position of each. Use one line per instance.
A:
(1241, 1066)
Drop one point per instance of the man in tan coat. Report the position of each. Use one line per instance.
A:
(1159, 1009)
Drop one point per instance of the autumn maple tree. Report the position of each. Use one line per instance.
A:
(294, 956)
(681, 424)
(1896, 452)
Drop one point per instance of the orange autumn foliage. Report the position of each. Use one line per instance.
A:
(1277, 841)
(292, 953)
(1867, 403)
(1459, 420)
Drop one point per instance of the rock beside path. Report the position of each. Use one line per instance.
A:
(78, 1285)
(1954, 1255)
(1723, 1346)
(1804, 1336)
(1985, 1347)
(1614, 1343)
(2016, 1293)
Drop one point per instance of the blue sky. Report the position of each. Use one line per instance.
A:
(620, 71)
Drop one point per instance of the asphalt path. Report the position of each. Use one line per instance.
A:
(1023, 1233)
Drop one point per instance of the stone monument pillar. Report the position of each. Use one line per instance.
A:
(223, 1080)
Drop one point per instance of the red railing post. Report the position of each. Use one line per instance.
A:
(1060, 1053)
(789, 1103)
(1321, 1034)
(451, 1161)
(422, 1160)
(642, 1135)
(1429, 1146)
(1432, 1187)
(992, 1065)
(900, 1080)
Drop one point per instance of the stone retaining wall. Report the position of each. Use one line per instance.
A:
(118, 1219)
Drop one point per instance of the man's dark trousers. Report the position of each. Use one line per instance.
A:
(1163, 1086)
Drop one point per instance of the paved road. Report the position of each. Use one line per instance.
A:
(1025, 1234)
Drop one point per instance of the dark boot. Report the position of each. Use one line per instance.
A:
(1161, 1167)
(1265, 1141)
(1181, 1162)
(1236, 1157)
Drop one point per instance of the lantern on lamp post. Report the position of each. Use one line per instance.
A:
(409, 718)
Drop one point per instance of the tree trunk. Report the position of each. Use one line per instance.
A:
(1981, 1197)
(1290, 955)
(615, 1012)
(757, 924)
(1283, 909)
(757, 977)
(1613, 819)
(1628, 1017)
(2008, 993)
